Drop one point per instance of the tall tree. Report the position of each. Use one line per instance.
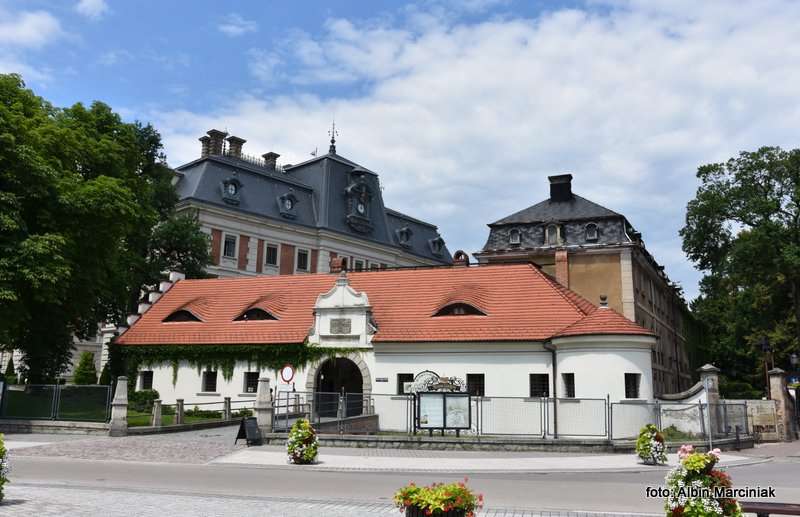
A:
(743, 231)
(81, 195)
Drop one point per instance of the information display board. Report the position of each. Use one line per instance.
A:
(443, 410)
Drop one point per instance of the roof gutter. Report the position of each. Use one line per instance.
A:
(548, 345)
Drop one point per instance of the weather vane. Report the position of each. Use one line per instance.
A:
(333, 134)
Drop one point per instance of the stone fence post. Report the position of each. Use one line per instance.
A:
(226, 408)
(178, 411)
(264, 406)
(156, 420)
(119, 409)
(785, 421)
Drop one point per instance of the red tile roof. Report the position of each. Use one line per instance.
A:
(520, 302)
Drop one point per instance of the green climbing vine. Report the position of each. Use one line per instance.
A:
(224, 357)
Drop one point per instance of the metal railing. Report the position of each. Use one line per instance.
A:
(81, 403)
(678, 421)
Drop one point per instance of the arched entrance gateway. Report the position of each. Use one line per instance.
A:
(337, 377)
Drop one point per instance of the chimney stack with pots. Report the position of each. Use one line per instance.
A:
(270, 160)
(560, 187)
(205, 149)
(216, 141)
(235, 146)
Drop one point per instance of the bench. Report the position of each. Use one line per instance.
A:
(765, 509)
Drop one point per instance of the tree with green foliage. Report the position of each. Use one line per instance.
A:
(86, 207)
(105, 375)
(743, 231)
(85, 372)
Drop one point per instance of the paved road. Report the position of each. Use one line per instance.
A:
(83, 477)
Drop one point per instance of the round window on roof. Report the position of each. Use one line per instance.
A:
(288, 204)
(361, 207)
(231, 189)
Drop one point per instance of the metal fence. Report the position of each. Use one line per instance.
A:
(86, 403)
(521, 416)
(678, 422)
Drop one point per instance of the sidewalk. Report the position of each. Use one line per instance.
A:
(401, 460)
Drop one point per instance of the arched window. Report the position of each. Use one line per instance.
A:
(552, 235)
(514, 237)
(181, 315)
(591, 232)
(255, 314)
(459, 309)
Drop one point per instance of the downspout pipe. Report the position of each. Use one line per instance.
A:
(548, 345)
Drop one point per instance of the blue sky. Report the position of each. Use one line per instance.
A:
(463, 108)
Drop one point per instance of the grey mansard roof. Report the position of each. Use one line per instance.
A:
(318, 186)
(550, 210)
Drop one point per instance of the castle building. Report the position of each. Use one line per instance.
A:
(595, 251)
(266, 219)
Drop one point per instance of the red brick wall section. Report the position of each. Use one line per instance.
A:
(562, 268)
(260, 256)
(287, 259)
(314, 259)
(244, 246)
(216, 246)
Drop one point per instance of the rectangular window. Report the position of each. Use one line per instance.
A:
(272, 255)
(146, 382)
(402, 379)
(358, 265)
(209, 381)
(384, 266)
(632, 385)
(250, 382)
(475, 384)
(302, 260)
(229, 250)
(540, 384)
(569, 385)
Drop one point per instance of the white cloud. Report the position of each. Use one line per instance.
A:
(94, 9)
(234, 25)
(465, 121)
(28, 29)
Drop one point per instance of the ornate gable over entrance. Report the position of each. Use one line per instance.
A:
(342, 317)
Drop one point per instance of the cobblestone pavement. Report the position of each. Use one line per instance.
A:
(27, 500)
(189, 447)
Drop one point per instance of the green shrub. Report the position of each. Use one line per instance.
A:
(142, 400)
(650, 445)
(203, 413)
(302, 444)
(85, 372)
(673, 434)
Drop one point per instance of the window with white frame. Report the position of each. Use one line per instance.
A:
(271, 255)
(514, 237)
(358, 264)
(302, 260)
(229, 248)
(591, 232)
(553, 236)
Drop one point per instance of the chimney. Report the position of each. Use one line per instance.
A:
(560, 187)
(235, 146)
(205, 142)
(270, 160)
(562, 267)
(216, 141)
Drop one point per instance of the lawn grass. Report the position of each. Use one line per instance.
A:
(140, 419)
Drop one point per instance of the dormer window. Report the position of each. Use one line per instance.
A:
(436, 245)
(181, 315)
(231, 190)
(553, 235)
(514, 237)
(287, 205)
(255, 314)
(459, 309)
(404, 236)
(359, 197)
(591, 232)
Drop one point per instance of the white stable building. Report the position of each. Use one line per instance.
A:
(506, 330)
